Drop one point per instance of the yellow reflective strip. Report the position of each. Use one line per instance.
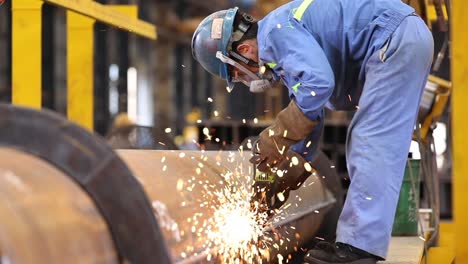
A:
(301, 9)
(271, 64)
(296, 86)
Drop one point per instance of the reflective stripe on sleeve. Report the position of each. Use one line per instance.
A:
(296, 86)
(301, 9)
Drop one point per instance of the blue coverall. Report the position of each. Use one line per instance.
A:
(369, 56)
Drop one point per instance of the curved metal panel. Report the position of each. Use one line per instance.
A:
(46, 218)
(162, 173)
(97, 169)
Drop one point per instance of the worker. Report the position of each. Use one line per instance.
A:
(367, 56)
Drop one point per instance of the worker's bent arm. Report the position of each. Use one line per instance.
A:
(295, 56)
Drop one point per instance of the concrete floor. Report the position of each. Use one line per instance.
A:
(402, 250)
(405, 250)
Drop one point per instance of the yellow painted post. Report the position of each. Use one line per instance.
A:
(459, 33)
(80, 47)
(26, 53)
(80, 51)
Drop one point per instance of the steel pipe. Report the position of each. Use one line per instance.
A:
(160, 172)
(45, 217)
(66, 197)
(91, 164)
(49, 218)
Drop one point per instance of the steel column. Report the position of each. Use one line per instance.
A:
(460, 126)
(26, 53)
(80, 41)
(80, 55)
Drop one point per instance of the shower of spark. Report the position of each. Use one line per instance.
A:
(232, 230)
(236, 230)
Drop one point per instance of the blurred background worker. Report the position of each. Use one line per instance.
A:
(368, 56)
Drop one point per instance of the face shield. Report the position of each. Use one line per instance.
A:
(246, 78)
(256, 83)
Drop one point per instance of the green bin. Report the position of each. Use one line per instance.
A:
(406, 216)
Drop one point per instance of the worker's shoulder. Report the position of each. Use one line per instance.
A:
(275, 20)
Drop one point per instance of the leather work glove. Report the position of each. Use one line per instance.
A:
(290, 126)
(271, 189)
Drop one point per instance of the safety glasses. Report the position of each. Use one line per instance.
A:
(246, 77)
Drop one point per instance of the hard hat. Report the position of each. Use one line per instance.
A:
(211, 44)
(213, 35)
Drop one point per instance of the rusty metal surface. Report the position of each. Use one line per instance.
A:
(160, 171)
(46, 218)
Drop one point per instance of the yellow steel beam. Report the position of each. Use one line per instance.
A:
(80, 79)
(431, 14)
(107, 15)
(441, 100)
(26, 53)
(439, 255)
(444, 253)
(80, 93)
(129, 10)
(459, 34)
